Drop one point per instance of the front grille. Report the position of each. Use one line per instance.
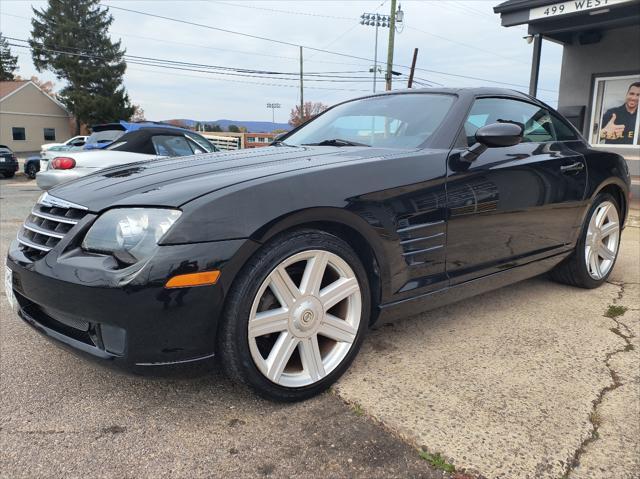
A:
(49, 221)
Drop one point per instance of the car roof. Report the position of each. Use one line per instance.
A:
(133, 126)
(462, 91)
(139, 141)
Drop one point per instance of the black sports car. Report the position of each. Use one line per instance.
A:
(277, 260)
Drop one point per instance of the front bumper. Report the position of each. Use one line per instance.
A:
(9, 166)
(47, 179)
(126, 315)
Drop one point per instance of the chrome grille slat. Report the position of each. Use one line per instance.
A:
(59, 219)
(48, 223)
(29, 244)
(41, 231)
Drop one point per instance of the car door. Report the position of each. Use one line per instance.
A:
(512, 204)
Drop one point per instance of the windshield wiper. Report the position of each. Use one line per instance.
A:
(281, 143)
(336, 142)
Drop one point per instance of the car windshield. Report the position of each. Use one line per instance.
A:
(389, 121)
(106, 136)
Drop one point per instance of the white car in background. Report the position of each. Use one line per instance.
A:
(76, 141)
(138, 145)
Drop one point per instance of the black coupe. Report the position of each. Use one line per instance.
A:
(278, 259)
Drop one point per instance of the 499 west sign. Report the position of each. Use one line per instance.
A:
(573, 6)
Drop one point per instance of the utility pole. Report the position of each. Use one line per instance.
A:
(392, 34)
(301, 90)
(413, 67)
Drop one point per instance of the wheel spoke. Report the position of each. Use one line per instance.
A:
(609, 229)
(313, 274)
(338, 291)
(280, 355)
(606, 253)
(283, 287)
(268, 322)
(594, 263)
(602, 214)
(311, 358)
(337, 329)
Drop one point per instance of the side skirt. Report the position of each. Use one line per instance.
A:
(410, 307)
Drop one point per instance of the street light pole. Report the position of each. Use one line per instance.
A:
(273, 107)
(393, 22)
(375, 60)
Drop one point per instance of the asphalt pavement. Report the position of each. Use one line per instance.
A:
(536, 380)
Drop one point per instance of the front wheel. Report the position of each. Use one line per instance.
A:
(296, 316)
(592, 262)
(31, 171)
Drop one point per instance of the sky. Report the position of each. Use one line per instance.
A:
(453, 37)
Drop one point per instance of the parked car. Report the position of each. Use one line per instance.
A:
(104, 135)
(138, 145)
(277, 260)
(75, 141)
(32, 166)
(8, 162)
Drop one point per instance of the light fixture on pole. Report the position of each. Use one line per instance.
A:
(273, 107)
(375, 20)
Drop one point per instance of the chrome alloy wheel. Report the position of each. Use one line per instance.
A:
(304, 318)
(601, 244)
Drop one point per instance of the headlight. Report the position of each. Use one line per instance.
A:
(129, 234)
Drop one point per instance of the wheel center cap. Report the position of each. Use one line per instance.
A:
(306, 316)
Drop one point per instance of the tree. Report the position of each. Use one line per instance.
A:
(8, 62)
(233, 129)
(45, 86)
(178, 123)
(71, 39)
(214, 127)
(310, 110)
(138, 114)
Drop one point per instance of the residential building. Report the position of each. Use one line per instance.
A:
(29, 117)
(600, 73)
(256, 140)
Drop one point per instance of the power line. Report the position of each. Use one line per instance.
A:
(203, 68)
(257, 37)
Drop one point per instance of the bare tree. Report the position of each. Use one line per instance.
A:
(310, 110)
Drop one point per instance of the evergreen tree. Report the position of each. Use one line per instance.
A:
(8, 62)
(71, 38)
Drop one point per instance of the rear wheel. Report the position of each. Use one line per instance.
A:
(9, 174)
(31, 171)
(296, 316)
(592, 262)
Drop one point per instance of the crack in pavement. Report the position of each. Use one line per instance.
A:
(615, 384)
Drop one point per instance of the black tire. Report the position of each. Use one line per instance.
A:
(9, 174)
(31, 171)
(233, 342)
(573, 270)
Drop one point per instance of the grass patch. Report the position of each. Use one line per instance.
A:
(437, 461)
(595, 418)
(357, 409)
(613, 311)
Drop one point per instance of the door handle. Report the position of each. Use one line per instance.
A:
(572, 168)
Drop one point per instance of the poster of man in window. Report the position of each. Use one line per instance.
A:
(615, 119)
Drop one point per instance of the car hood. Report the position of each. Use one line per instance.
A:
(176, 181)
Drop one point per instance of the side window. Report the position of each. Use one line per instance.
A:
(171, 146)
(536, 122)
(201, 143)
(563, 131)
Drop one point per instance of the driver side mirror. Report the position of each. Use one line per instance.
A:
(495, 135)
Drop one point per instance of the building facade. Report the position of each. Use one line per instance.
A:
(29, 117)
(600, 75)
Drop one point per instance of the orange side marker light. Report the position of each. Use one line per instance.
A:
(193, 279)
